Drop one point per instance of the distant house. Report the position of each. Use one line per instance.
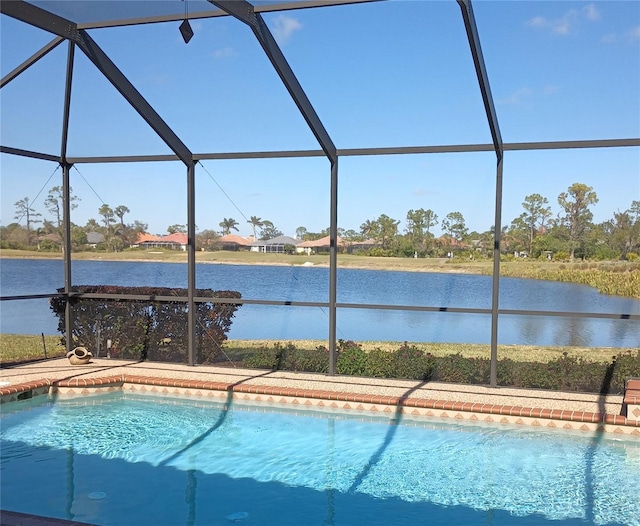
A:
(319, 245)
(446, 241)
(175, 241)
(276, 245)
(233, 242)
(94, 238)
(53, 238)
(365, 245)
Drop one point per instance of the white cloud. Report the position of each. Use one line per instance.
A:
(526, 96)
(591, 12)
(283, 28)
(568, 22)
(538, 21)
(422, 192)
(630, 36)
(225, 52)
(518, 97)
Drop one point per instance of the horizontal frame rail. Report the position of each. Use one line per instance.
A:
(322, 304)
(344, 152)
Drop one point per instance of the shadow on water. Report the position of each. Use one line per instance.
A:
(133, 494)
(393, 428)
(217, 424)
(590, 474)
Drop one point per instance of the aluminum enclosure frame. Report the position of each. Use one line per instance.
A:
(77, 36)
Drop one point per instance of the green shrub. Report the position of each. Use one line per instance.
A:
(532, 375)
(456, 368)
(568, 373)
(565, 373)
(265, 358)
(307, 360)
(379, 364)
(627, 365)
(352, 359)
(412, 363)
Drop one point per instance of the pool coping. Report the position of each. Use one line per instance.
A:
(329, 399)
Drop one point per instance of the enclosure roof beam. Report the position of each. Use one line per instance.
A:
(30, 154)
(348, 152)
(62, 27)
(481, 72)
(31, 60)
(245, 12)
(99, 58)
(38, 17)
(199, 15)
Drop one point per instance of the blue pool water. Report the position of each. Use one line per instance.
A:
(124, 459)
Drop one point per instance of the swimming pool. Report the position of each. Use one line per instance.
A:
(127, 459)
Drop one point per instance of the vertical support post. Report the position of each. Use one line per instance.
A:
(333, 265)
(66, 198)
(191, 261)
(495, 295)
(483, 80)
(66, 221)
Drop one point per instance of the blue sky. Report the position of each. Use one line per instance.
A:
(395, 73)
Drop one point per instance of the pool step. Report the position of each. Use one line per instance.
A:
(631, 402)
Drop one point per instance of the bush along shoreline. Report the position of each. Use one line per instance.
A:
(566, 373)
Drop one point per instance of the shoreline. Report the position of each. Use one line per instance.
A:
(345, 262)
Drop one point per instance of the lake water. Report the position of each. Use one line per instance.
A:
(311, 284)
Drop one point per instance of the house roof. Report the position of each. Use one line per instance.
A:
(56, 238)
(95, 237)
(322, 242)
(233, 238)
(280, 240)
(143, 237)
(452, 241)
(177, 238)
(181, 239)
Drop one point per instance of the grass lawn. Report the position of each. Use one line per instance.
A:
(18, 347)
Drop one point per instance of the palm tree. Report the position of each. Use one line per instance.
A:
(120, 211)
(256, 222)
(227, 225)
(107, 213)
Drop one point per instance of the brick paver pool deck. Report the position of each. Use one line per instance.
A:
(586, 412)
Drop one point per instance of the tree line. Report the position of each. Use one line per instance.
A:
(534, 233)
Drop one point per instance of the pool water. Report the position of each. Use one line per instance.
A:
(124, 459)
